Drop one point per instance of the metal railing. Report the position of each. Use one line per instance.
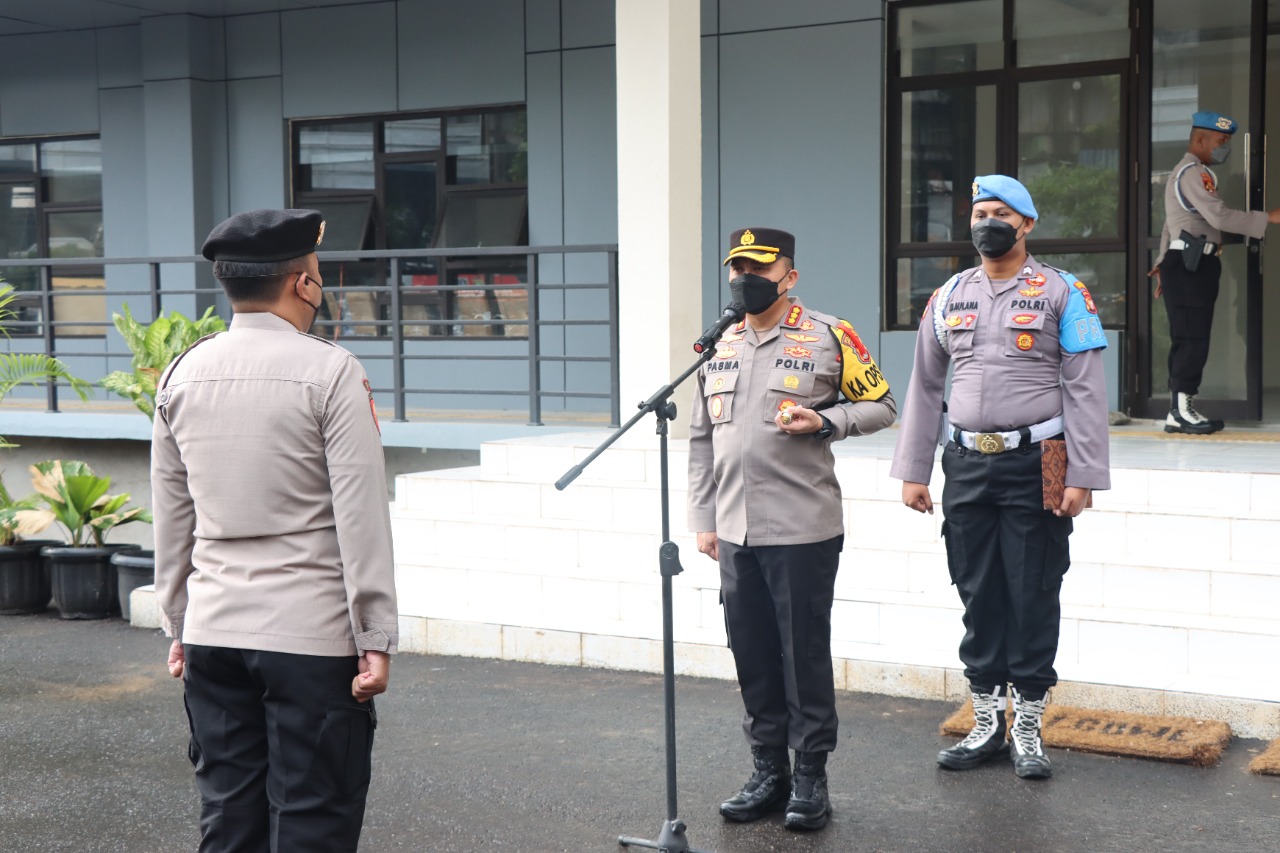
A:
(389, 330)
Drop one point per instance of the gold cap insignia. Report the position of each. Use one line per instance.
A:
(320, 236)
(1223, 123)
(975, 188)
(747, 238)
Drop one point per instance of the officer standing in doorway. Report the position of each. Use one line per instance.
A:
(274, 568)
(1025, 344)
(1187, 277)
(784, 385)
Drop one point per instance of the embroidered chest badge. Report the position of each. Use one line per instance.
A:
(1025, 341)
(804, 339)
(1024, 319)
(798, 352)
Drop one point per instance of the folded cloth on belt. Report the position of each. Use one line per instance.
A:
(1209, 248)
(998, 442)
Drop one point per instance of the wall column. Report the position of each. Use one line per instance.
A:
(659, 197)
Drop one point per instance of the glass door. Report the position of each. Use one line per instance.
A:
(1203, 57)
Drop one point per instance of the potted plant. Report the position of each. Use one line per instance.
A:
(80, 572)
(24, 582)
(154, 347)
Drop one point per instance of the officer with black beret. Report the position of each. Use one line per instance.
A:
(784, 385)
(274, 569)
(1187, 277)
(1025, 345)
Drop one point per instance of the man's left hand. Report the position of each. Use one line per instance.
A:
(1073, 501)
(802, 421)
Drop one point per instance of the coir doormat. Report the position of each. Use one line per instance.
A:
(1181, 739)
(1267, 762)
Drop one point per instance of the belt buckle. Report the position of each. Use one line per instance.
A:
(988, 442)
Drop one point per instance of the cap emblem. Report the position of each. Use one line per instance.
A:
(320, 236)
(1223, 123)
(747, 239)
(976, 189)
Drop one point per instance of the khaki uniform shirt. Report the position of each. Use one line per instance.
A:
(1024, 351)
(1191, 204)
(749, 481)
(268, 479)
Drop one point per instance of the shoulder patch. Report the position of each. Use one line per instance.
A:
(860, 378)
(1080, 328)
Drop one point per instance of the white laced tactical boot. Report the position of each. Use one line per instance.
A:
(1183, 417)
(987, 739)
(1029, 760)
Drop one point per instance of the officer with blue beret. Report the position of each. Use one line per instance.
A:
(1025, 345)
(1195, 219)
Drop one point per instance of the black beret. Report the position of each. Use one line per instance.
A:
(264, 236)
(763, 245)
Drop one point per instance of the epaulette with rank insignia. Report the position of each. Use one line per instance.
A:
(792, 320)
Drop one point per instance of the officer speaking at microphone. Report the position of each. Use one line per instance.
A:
(1188, 267)
(274, 569)
(784, 384)
(1025, 345)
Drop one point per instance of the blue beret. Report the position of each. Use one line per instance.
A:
(265, 236)
(1210, 120)
(1005, 189)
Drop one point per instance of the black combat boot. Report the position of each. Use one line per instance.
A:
(809, 806)
(1183, 417)
(766, 790)
(987, 739)
(1029, 760)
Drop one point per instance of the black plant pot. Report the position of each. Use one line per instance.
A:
(133, 569)
(83, 580)
(24, 580)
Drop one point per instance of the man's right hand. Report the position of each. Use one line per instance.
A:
(916, 496)
(1273, 216)
(709, 544)
(375, 672)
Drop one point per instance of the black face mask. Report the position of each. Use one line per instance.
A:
(993, 238)
(755, 292)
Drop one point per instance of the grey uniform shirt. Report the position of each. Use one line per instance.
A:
(1191, 204)
(1011, 346)
(272, 525)
(752, 483)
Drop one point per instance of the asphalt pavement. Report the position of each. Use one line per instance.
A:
(484, 755)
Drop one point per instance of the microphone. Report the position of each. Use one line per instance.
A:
(733, 312)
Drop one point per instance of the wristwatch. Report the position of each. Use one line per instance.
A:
(826, 431)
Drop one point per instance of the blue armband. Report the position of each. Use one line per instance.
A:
(1080, 329)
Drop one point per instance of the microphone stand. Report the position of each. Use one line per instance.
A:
(671, 839)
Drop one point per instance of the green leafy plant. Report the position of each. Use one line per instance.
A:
(20, 517)
(154, 346)
(29, 368)
(78, 501)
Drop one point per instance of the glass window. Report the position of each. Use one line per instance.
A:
(950, 37)
(75, 234)
(72, 170)
(410, 204)
(18, 159)
(482, 220)
(947, 139)
(1055, 32)
(487, 149)
(336, 156)
(415, 134)
(918, 278)
(1069, 146)
(18, 237)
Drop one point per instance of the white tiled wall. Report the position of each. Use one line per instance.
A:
(1173, 586)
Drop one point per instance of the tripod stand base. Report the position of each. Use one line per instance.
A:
(670, 840)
